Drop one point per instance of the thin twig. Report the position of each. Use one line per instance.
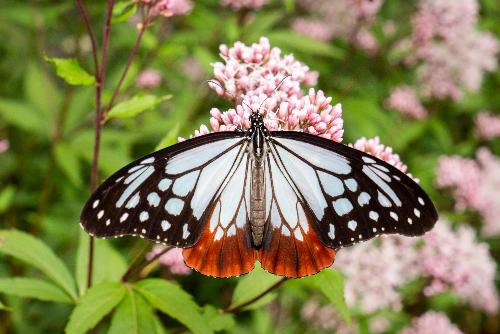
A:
(90, 32)
(239, 307)
(135, 262)
(133, 54)
(105, 42)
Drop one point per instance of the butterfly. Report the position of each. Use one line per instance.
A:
(287, 199)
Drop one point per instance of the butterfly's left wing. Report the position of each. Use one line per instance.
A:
(345, 195)
(190, 195)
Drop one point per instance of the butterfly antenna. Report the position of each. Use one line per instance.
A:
(275, 89)
(215, 82)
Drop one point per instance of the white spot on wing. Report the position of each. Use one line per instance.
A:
(373, 215)
(383, 185)
(285, 231)
(165, 225)
(333, 185)
(123, 217)
(100, 214)
(174, 206)
(331, 232)
(421, 201)
(164, 184)
(363, 198)
(214, 221)
(134, 185)
(144, 216)
(342, 206)
(384, 201)
(393, 215)
(298, 235)
(352, 224)
(368, 160)
(153, 199)
(185, 232)
(416, 212)
(219, 234)
(351, 184)
(231, 231)
(95, 204)
(108, 221)
(148, 160)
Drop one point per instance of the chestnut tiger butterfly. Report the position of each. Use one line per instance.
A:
(287, 199)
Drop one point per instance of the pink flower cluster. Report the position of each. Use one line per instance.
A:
(375, 270)
(350, 20)
(405, 100)
(432, 322)
(148, 79)
(258, 78)
(244, 4)
(454, 55)
(487, 125)
(455, 261)
(172, 259)
(4, 145)
(475, 185)
(325, 318)
(166, 8)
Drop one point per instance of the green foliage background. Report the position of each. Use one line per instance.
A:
(49, 123)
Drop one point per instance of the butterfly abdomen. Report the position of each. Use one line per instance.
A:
(257, 202)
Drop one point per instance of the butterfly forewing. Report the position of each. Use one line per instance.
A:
(165, 196)
(351, 196)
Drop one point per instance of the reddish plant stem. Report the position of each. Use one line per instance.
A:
(99, 77)
(133, 54)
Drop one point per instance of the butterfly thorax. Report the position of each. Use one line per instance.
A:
(257, 135)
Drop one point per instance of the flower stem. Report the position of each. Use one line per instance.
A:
(239, 307)
(135, 262)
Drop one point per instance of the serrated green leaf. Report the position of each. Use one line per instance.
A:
(23, 116)
(33, 288)
(99, 300)
(68, 162)
(170, 299)
(298, 42)
(135, 106)
(216, 320)
(331, 284)
(253, 284)
(34, 252)
(6, 195)
(70, 71)
(109, 265)
(133, 316)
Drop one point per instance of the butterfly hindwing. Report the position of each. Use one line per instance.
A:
(165, 196)
(352, 196)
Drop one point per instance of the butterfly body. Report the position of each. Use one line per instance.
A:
(284, 198)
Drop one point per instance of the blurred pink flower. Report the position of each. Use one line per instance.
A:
(166, 8)
(456, 261)
(325, 318)
(172, 259)
(432, 322)
(487, 125)
(405, 100)
(250, 77)
(375, 270)
(240, 4)
(475, 185)
(350, 20)
(453, 54)
(4, 145)
(148, 79)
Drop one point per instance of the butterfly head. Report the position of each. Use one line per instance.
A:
(256, 120)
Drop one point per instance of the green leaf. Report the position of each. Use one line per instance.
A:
(34, 252)
(216, 320)
(253, 284)
(170, 138)
(6, 196)
(70, 70)
(3, 307)
(298, 42)
(263, 22)
(23, 116)
(41, 92)
(109, 265)
(135, 106)
(170, 299)
(122, 11)
(133, 316)
(331, 284)
(33, 288)
(68, 162)
(94, 305)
